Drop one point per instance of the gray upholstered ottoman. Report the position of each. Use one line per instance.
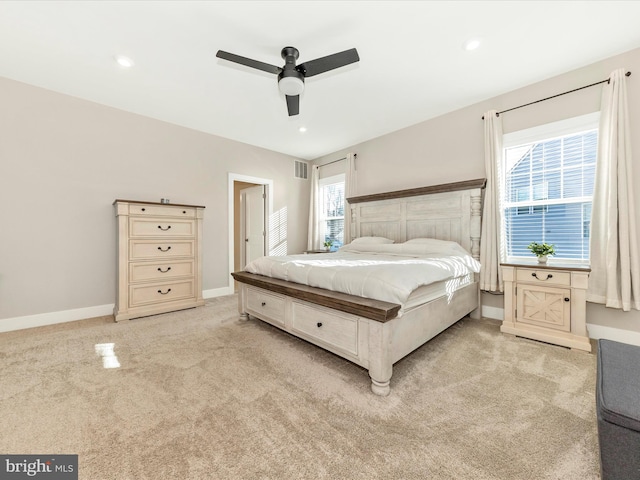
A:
(618, 409)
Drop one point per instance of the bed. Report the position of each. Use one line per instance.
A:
(375, 332)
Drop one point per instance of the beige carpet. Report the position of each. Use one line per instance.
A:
(199, 394)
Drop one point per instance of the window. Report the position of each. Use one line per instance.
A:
(332, 211)
(548, 187)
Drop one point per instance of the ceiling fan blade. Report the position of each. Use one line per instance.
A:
(265, 67)
(330, 62)
(293, 104)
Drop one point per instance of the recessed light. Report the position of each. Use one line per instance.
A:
(471, 44)
(124, 62)
(302, 129)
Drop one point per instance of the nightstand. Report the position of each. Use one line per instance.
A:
(546, 303)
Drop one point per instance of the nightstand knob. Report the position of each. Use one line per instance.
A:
(319, 324)
(534, 274)
(566, 299)
(264, 303)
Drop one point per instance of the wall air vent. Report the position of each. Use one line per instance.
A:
(301, 169)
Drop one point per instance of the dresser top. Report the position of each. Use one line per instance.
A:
(139, 202)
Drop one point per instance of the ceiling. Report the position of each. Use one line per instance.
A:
(412, 64)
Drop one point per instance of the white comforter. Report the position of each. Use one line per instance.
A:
(382, 272)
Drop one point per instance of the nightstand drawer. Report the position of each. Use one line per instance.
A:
(266, 305)
(337, 331)
(543, 277)
(142, 227)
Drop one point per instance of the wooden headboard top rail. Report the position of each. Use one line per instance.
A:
(413, 192)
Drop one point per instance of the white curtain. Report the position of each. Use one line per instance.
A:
(615, 271)
(491, 234)
(313, 237)
(350, 190)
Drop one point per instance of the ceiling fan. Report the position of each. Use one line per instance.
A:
(291, 76)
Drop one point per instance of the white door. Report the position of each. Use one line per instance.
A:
(252, 202)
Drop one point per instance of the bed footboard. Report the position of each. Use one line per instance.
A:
(373, 344)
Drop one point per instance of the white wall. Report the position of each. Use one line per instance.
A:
(63, 163)
(451, 148)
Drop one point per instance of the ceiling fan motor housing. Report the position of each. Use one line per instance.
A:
(290, 80)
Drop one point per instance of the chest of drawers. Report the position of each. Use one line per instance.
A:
(159, 265)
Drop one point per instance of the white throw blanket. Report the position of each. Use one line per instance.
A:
(381, 272)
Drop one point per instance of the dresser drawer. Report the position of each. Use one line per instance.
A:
(266, 305)
(162, 210)
(338, 331)
(160, 292)
(543, 277)
(156, 271)
(153, 227)
(157, 249)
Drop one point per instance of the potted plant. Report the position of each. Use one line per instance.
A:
(327, 245)
(542, 250)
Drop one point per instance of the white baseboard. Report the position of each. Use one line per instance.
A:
(494, 313)
(217, 292)
(51, 318)
(615, 334)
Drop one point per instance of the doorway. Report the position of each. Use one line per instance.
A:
(250, 205)
(252, 223)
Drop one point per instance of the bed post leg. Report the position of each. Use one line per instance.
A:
(380, 366)
(242, 295)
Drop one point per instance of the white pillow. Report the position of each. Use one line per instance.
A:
(434, 245)
(431, 242)
(372, 240)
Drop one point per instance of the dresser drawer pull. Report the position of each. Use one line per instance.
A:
(144, 209)
(566, 299)
(163, 249)
(319, 324)
(534, 274)
(164, 293)
(164, 271)
(184, 211)
(264, 304)
(164, 229)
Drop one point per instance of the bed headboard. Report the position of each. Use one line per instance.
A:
(447, 212)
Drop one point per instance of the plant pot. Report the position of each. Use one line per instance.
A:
(542, 259)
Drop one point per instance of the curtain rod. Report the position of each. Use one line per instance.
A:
(338, 160)
(558, 95)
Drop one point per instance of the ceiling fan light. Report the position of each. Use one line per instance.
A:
(291, 86)
(124, 62)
